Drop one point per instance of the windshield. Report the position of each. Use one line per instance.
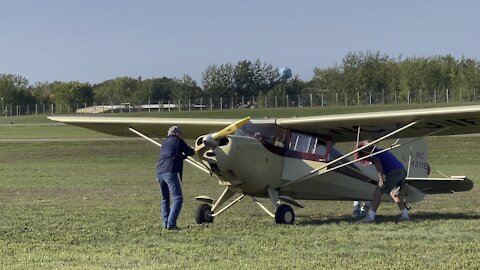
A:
(268, 133)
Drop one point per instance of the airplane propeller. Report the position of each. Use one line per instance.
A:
(211, 140)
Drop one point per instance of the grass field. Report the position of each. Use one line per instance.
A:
(88, 204)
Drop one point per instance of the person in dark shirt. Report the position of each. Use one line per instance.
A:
(391, 174)
(169, 175)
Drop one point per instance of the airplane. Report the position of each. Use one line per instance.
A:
(292, 159)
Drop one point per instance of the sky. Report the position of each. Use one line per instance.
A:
(96, 40)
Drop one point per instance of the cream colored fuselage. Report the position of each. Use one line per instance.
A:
(248, 167)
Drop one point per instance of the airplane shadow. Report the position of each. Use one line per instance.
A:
(416, 217)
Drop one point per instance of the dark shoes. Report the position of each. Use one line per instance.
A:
(174, 228)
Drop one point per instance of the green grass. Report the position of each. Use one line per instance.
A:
(95, 205)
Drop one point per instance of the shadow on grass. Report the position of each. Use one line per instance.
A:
(303, 220)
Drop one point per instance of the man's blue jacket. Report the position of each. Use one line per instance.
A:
(174, 151)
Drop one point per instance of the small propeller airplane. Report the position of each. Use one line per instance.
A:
(292, 159)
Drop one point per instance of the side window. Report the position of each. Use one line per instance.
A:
(300, 142)
(308, 147)
(319, 148)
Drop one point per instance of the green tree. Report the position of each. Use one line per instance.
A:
(118, 90)
(72, 93)
(185, 88)
(219, 80)
(14, 89)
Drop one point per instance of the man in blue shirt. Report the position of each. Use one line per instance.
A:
(391, 174)
(169, 174)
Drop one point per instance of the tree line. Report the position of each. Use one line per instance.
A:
(380, 75)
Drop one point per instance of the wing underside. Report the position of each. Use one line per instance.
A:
(344, 127)
(340, 127)
(153, 127)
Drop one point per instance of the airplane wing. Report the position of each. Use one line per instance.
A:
(152, 127)
(343, 127)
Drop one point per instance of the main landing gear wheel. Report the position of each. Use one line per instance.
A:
(204, 214)
(284, 214)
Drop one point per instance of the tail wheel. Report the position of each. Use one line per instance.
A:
(284, 214)
(204, 214)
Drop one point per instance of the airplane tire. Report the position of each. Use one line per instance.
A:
(284, 214)
(204, 214)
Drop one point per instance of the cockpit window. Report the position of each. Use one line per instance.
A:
(307, 146)
(283, 141)
(300, 142)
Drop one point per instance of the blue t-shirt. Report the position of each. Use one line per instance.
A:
(174, 151)
(389, 162)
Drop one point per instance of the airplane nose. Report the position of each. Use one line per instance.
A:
(210, 142)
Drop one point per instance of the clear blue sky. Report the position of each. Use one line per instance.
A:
(95, 40)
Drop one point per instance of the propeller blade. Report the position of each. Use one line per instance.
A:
(230, 129)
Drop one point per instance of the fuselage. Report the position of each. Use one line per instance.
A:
(261, 156)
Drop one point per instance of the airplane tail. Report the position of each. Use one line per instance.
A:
(414, 155)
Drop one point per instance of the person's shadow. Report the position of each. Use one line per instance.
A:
(416, 217)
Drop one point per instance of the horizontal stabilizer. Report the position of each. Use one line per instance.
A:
(441, 185)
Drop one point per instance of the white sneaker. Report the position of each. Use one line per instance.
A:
(404, 218)
(367, 219)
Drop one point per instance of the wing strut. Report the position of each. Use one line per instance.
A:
(189, 159)
(394, 145)
(349, 154)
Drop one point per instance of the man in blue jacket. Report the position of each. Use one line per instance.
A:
(391, 175)
(169, 175)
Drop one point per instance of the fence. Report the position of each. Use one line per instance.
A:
(325, 98)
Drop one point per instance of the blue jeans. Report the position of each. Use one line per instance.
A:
(170, 183)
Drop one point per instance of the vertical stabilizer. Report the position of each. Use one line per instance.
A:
(415, 150)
